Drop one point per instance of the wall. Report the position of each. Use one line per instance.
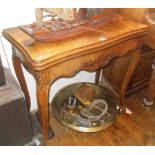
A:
(21, 16)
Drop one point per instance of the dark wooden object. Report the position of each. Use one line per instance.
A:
(113, 76)
(114, 73)
(48, 61)
(15, 128)
(2, 76)
(143, 71)
(56, 30)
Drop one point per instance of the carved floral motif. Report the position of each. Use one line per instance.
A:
(44, 77)
(97, 63)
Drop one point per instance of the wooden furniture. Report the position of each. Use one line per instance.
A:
(115, 72)
(136, 14)
(48, 61)
(67, 23)
(150, 21)
(143, 71)
(141, 76)
(142, 15)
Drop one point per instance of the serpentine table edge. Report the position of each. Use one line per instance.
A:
(120, 40)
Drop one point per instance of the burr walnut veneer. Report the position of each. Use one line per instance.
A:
(48, 61)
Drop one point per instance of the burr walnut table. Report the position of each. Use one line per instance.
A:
(48, 61)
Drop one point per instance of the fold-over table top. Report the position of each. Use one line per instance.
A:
(40, 53)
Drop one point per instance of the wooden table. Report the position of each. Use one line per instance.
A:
(48, 61)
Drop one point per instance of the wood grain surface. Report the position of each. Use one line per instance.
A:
(48, 61)
(137, 129)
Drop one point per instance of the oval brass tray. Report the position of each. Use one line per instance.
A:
(69, 119)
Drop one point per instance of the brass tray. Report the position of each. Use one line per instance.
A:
(70, 117)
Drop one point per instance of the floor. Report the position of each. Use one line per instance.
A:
(136, 128)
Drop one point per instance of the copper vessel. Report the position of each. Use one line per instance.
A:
(75, 117)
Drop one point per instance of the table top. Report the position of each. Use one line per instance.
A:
(41, 53)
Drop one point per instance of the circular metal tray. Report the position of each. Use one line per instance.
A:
(70, 117)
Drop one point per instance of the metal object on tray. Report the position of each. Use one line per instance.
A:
(99, 114)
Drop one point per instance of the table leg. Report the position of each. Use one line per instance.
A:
(128, 76)
(21, 79)
(97, 76)
(133, 58)
(42, 100)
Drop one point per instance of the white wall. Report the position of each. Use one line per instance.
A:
(20, 16)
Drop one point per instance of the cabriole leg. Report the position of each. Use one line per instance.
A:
(21, 79)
